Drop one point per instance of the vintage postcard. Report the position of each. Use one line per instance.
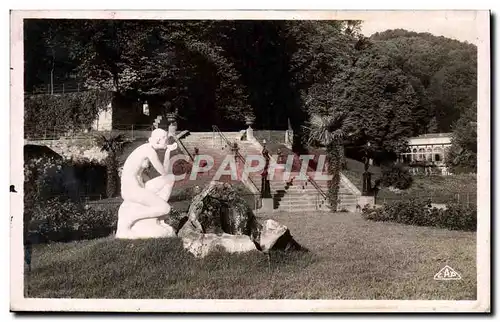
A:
(250, 161)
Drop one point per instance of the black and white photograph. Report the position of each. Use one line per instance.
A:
(218, 161)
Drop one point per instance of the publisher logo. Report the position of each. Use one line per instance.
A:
(447, 273)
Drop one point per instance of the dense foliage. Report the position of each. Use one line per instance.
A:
(50, 115)
(53, 187)
(113, 145)
(443, 72)
(462, 155)
(394, 85)
(63, 220)
(421, 213)
(397, 176)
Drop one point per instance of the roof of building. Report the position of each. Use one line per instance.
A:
(432, 135)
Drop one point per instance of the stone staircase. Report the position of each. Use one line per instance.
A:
(211, 145)
(299, 195)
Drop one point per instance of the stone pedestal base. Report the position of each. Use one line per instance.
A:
(267, 205)
(250, 136)
(172, 130)
(146, 228)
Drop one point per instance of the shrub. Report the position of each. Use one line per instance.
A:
(181, 194)
(459, 217)
(396, 175)
(181, 167)
(47, 176)
(421, 213)
(63, 220)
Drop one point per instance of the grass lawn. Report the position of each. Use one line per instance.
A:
(348, 258)
(441, 189)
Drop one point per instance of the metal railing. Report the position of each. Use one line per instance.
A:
(237, 153)
(316, 186)
(132, 131)
(59, 88)
(184, 149)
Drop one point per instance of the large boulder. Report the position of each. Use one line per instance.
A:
(218, 217)
(219, 209)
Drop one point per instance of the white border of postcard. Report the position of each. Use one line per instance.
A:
(19, 303)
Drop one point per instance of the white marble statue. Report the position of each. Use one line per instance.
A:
(145, 204)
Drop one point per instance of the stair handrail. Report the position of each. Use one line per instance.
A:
(315, 185)
(238, 154)
(183, 147)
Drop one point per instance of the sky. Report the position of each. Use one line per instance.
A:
(460, 25)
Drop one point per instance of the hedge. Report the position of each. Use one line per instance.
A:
(421, 213)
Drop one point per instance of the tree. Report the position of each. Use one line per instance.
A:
(330, 130)
(462, 155)
(48, 58)
(432, 127)
(112, 144)
(160, 60)
(443, 72)
(379, 99)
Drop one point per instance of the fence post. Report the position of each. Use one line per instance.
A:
(132, 131)
(63, 88)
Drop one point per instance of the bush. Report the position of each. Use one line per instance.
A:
(182, 193)
(397, 176)
(46, 177)
(181, 167)
(59, 220)
(420, 213)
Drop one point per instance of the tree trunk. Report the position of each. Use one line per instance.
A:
(112, 176)
(343, 162)
(333, 155)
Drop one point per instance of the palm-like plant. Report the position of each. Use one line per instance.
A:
(113, 144)
(330, 130)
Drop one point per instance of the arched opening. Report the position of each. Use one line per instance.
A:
(421, 154)
(438, 154)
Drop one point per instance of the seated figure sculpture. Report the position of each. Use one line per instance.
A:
(145, 204)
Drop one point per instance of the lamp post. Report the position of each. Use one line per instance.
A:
(367, 176)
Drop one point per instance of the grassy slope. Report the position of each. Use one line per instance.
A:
(439, 188)
(349, 258)
(354, 172)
